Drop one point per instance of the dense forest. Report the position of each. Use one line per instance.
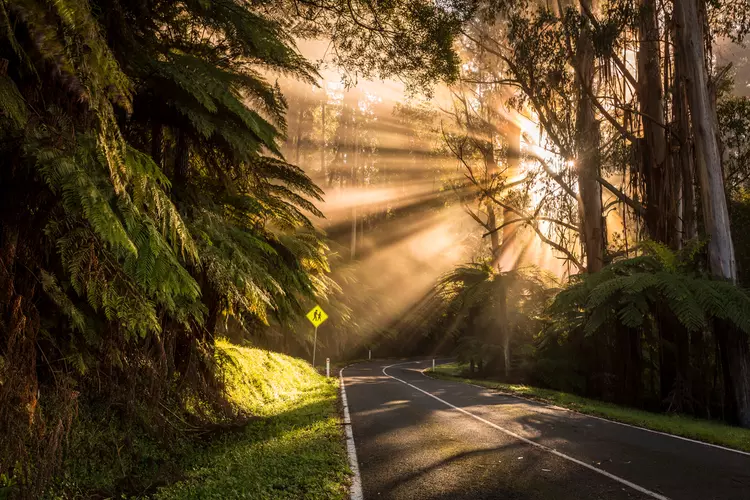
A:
(593, 195)
(559, 197)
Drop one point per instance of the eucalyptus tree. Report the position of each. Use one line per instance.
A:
(690, 19)
(484, 132)
(626, 89)
(550, 93)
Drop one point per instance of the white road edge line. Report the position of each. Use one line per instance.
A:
(355, 491)
(550, 405)
(634, 486)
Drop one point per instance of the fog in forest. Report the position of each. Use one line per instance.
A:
(395, 203)
(205, 204)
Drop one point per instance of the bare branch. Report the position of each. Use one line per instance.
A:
(556, 177)
(639, 209)
(529, 219)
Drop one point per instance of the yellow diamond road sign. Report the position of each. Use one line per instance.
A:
(317, 316)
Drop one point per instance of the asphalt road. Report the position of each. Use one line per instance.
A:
(421, 438)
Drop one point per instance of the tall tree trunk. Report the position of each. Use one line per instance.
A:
(674, 375)
(662, 174)
(659, 173)
(354, 170)
(507, 331)
(735, 357)
(512, 136)
(684, 150)
(213, 304)
(699, 374)
(323, 139)
(587, 151)
(490, 168)
(513, 139)
(690, 17)
(495, 236)
(629, 365)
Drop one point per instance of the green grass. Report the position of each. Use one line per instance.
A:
(294, 451)
(292, 448)
(679, 425)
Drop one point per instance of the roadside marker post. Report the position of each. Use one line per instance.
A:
(328, 367)
(433, 364)
(316, 316)
(369, 354)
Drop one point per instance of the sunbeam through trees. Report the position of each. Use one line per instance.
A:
(555, 193)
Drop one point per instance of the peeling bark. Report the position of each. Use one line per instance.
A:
(587, 151)
(734, 348)
(660, 174)
(707, 152)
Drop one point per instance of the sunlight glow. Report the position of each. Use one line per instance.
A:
(386, 205)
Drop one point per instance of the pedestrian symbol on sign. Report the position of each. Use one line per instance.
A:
(317, 316)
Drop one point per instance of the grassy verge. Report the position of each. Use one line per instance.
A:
(701, 430)
(294, 451)
(292, 448)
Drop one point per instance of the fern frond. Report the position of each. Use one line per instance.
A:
(12, 104)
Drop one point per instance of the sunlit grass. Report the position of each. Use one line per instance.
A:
(265, 382)
(295, 450)
(291, 448)
(680, 425)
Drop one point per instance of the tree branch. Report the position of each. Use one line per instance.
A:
(557, 178)
(618, 62)
(639, 209)
(529, 219)
(533, 223)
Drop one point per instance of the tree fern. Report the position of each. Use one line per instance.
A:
(118, 270)
(628, 291)
(12, 105)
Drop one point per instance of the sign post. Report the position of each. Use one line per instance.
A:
(316, 316)
(315, 344)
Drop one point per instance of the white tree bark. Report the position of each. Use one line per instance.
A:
(708, 155)
(689, 17)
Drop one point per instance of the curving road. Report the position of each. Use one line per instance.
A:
(422, 438)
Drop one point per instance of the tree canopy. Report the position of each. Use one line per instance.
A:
(158, 190)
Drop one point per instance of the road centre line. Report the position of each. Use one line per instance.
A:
(355, 491)
(632, 485)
